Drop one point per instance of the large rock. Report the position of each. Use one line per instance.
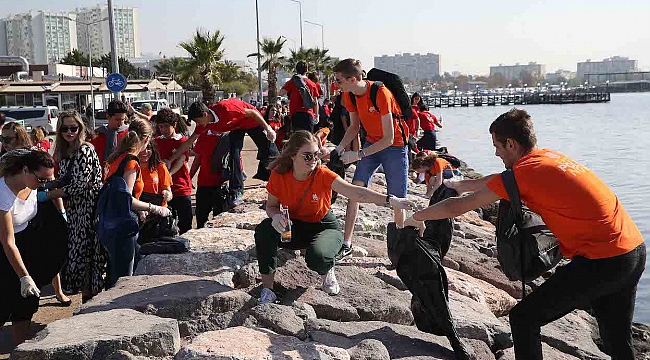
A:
(242, 343)
(573, 334)
(497, 300)
(402, 342)
(198, 304)
(369, 349)
(221, 240)
(220, 267)
(375, 247)
(474, 320)
(247, 221)
(472, 217)
(98, 335)
(279, 318)
(549, 353)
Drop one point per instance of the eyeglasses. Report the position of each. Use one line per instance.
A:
(338, 81)
(309, 157)
(72, 129)
(7, 139)
(39, 179)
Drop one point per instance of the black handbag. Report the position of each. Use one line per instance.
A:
(156, 227)
(154, 199)
(166, 245)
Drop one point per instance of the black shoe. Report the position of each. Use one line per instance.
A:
(64, 303)
(344, 252)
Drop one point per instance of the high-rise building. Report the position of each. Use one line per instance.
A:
(126, 31)
(609, 65)
(410, 67)
(41, 37)
(512, 72)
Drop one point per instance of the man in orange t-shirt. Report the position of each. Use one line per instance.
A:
(385, 144)
(593, 229)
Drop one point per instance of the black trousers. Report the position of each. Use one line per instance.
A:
(208, 199)
(607, 285)
(302, 121)
(427, 141)
(265, 151)
(181, 206)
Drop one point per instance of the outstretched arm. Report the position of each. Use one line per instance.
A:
(455, 206)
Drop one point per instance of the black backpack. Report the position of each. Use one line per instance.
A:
(396, 87)
(454, 161)
(526, 248)
(338, 131)
(308, 101)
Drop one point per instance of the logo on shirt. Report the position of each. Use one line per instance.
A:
(154, 179)
(314, 198)
(372, 110)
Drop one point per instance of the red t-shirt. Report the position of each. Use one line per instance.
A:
(412, 120)
(232, 116)
(204, 147)
(582, 212)
(427, 121)
(44, 145)
(295, 100)
(181, 182)
(99, 142)
(320, 89)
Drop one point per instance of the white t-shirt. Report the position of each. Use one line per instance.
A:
(21, 210)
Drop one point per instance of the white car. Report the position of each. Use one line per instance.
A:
(156, 104)
(34, 116)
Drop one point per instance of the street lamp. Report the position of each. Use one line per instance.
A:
(300, 4)
(260, 95)
(322, 37)
(90, 62)
(523, 98)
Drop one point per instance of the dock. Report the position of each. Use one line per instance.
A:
(536, 98)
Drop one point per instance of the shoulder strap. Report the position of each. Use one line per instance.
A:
(297, 80)
(125, 161)
(509, 182)
(353, 98)
(313, 177)
(374, 89)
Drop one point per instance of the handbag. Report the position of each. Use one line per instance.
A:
(156, 227)
(154, 199)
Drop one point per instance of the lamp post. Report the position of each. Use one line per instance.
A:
(322, 36)
(300, 5)
(111, 31)
(90, 63)
(260, 95)
(523, 98)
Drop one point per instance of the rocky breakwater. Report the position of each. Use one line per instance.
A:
(203, 304)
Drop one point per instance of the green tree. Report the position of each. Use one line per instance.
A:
(205, 53)
(170, 67)
(126, 68)
(271, 51)
(301, 54)
(234, 80)
(76, 58)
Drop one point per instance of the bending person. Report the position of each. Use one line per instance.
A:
(299, 181)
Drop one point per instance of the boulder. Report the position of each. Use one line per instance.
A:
(278, 318)
(549, 353)
(391, 278)
(246, 276)
(242, 343)
(374, 243)
(474, 320)
(220, 267)
(198, 304)
(497, 300)
(256, 195)
(247, 221)
(358, 251)
(98, 335)
(221, 240)
(573, 334)
(304, 311)
(641, 340)
(472, 217)
(369, 349)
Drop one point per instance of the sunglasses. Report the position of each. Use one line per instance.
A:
(309, 157)
(39, 179)
(7, 139)
(72, 129)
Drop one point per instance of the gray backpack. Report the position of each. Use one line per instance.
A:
(308, 101)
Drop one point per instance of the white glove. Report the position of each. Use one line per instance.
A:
(401, 203)
(28, 287)
(349, 157)
(339, 149)
(167, 195)
(416, 224)
(270, 134)
(160, 211)
(279, 223)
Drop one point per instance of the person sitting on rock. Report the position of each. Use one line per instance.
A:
(606, 248)
(299, 181)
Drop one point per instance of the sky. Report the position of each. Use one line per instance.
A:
(469, 35)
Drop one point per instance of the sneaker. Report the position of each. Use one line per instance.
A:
(344, 252)
(237, 198)
(268, 296)
(330, 284)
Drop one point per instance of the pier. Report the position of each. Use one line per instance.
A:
(535, 98)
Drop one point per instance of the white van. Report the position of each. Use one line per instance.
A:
(156, 104)
(34, 116)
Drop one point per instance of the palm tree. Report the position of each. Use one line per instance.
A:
(271, 53)
(203, 65)
(170, 66)
(301, 54)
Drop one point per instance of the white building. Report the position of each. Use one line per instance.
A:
(512, 72)
(560, 75)
(126, 31)
(410, 67)
(42, 37)
(609, 65)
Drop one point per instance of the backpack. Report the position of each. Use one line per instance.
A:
(454, 161)
(308, 101)
(113, 215)
(526, 248)
(336, 119)
(221, 158)
(396, 87)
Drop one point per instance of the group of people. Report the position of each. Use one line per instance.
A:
(606, 249)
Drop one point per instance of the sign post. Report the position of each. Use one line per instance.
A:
(115, 82)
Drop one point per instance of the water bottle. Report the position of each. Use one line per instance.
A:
(286, 235)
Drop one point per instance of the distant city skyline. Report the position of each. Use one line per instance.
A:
(557, 34)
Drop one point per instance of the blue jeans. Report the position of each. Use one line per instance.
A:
(394, 160)
(123, 256)
(266, 151)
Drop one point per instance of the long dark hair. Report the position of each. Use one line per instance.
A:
(415, 94)
(154, 158)
(167, 116)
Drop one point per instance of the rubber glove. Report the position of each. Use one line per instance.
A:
(160, 211)
(28, 287)
(41, 196)
(279, 223)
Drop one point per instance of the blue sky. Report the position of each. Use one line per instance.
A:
(470, 35)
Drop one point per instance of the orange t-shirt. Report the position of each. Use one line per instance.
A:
(438, 166)
(111, 168)
(582, 212)
(156, 180)
(322, 134)
(371, 118)
(289, 191)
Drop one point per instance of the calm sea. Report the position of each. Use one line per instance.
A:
(612, 139)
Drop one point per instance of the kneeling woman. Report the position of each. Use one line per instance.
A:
(299, 181)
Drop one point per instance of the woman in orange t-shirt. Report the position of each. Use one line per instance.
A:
(123, 257)
(299, 182)
(155, 176)
(434, 168)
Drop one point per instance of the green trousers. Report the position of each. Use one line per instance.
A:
(322, 240)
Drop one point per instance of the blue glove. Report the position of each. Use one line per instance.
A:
(41, 196)
(65, 216)
(47, 185)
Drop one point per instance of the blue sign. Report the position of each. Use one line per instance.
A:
(115, 82)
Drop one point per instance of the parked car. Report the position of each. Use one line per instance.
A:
(34, 116)
(156, 104)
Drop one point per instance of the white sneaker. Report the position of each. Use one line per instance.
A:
(267, 296)
(330, 284)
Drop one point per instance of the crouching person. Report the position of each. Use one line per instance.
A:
(300, 183)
